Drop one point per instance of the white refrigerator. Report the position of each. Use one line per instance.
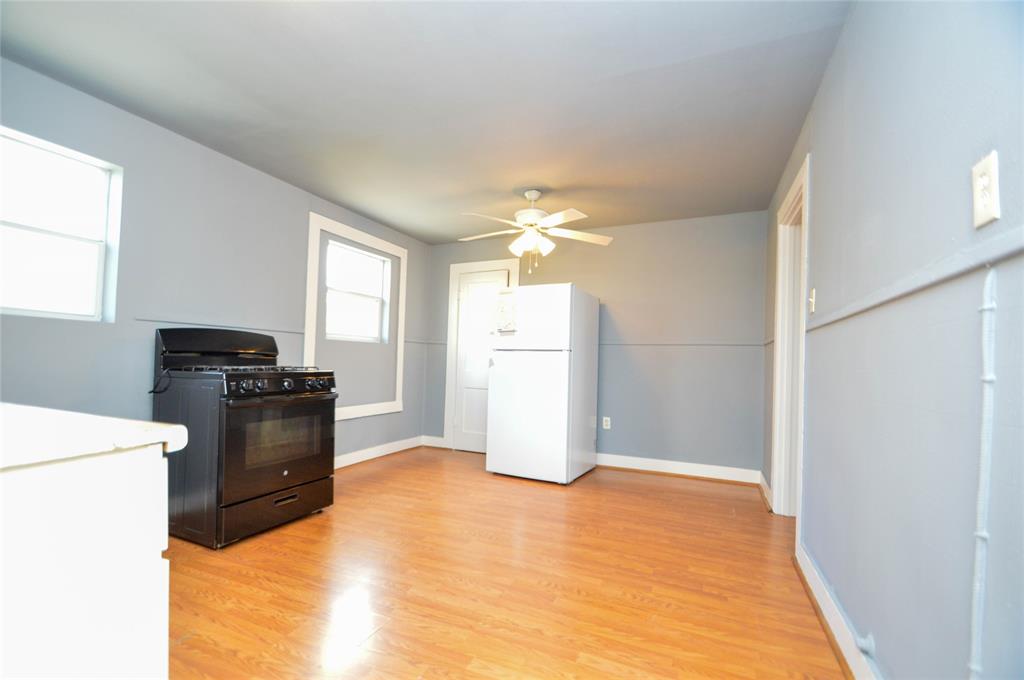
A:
(542, 388)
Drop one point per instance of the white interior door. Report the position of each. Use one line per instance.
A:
(475, 335)
(793, 375)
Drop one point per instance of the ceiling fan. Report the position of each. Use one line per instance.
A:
(534, 226)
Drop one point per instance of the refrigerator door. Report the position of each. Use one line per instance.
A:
(535, 317)
(528, 415)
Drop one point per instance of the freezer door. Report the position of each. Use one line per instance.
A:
(535, 317)
(528, 415)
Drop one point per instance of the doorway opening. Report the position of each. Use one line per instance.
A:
(472, 301)
(790, 327)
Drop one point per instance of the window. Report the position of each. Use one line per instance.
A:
(358, 293)
(59, 216)
(382, 331)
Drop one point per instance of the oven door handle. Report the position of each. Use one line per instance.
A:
(295, 399)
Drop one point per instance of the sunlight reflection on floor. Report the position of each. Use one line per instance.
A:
(352, 622)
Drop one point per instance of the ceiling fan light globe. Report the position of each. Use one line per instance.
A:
(515, 249)
(528, 240)
(545, 245)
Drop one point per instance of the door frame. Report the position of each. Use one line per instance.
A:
(787, 401)
(451, 368)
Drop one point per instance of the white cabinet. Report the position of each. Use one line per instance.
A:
(84, 585)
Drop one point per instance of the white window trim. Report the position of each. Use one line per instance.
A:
(384, 312)
(106, 288)
(318, 224)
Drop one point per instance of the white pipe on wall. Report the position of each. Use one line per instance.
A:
(988, 390)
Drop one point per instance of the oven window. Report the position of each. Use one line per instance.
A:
(277, 437)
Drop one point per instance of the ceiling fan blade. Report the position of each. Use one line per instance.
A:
(586, 237)
(493, 233)
(554, 219)
(496, 219)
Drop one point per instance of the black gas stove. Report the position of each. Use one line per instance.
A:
(261, 436)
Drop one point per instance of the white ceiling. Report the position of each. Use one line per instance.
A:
(414, 113)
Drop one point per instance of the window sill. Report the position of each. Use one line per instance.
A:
(10, 311)
(364, 410)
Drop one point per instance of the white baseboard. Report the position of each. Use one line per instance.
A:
(766, 490)
(732, 474)
(354, 457)
(834, 617)
(614, 460)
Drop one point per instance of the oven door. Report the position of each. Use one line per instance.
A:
(271, 443)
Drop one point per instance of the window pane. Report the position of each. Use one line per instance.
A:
(46, 190)
(353, 316)
(48, 273)
(354, 271)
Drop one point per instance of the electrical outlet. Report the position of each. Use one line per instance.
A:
(985, 182)
(606, 423)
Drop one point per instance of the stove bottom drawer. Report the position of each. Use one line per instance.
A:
(251, 517)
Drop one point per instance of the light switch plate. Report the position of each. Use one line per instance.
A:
(606, 423)
(985, 183)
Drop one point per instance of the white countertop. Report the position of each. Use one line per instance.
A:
(30, 434)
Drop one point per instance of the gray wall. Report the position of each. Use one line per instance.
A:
(204, 240)
(914, 95)
(681, 333)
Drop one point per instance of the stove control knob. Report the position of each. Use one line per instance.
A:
(261, 385)
(311, 383)
(245, 386)
(287, 383)
(321, 383)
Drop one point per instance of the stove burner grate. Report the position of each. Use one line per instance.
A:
(248, 369)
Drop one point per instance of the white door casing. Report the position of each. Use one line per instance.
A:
(473, 289)
(790, 328)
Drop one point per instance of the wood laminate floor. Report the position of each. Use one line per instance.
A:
(428, 566)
